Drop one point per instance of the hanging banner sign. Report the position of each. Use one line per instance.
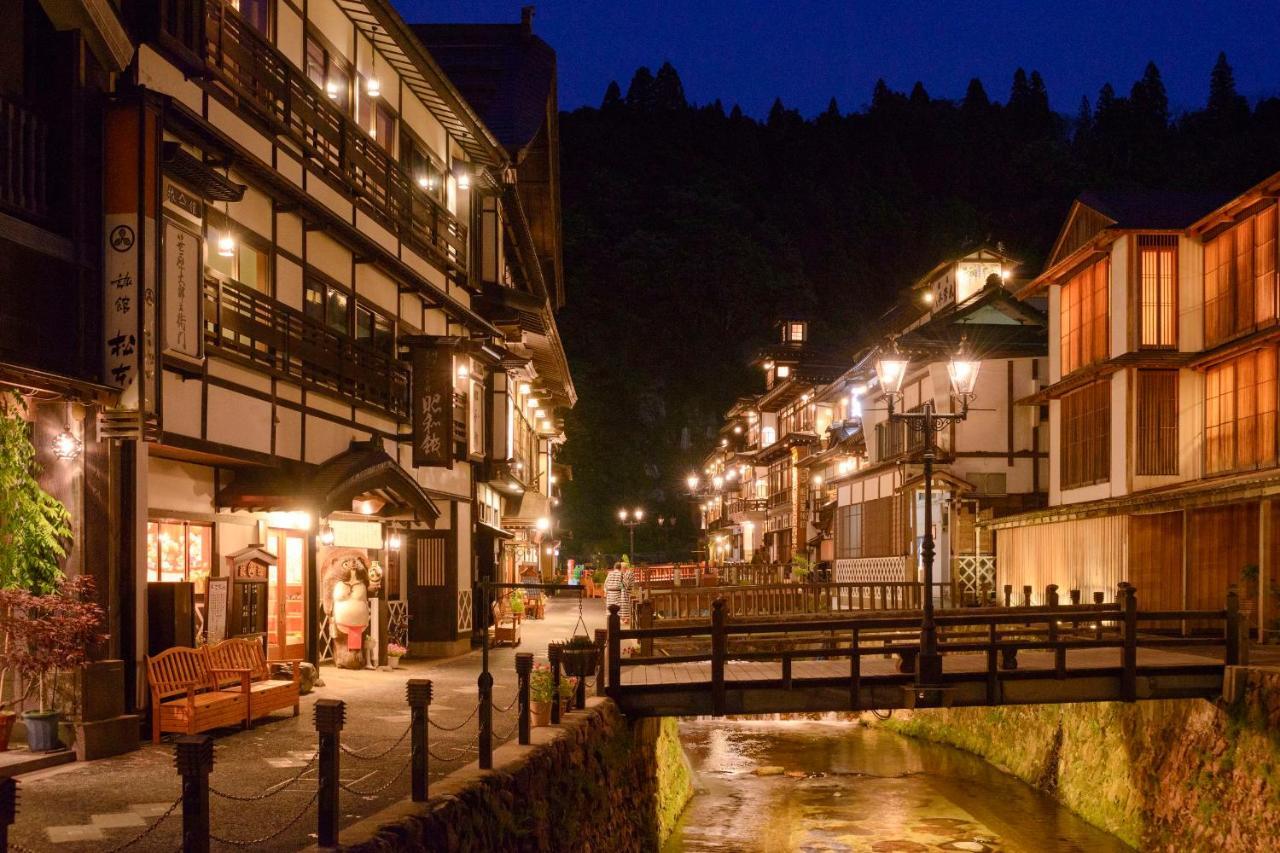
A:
(183, 305)
(432, 406)
(129, 266)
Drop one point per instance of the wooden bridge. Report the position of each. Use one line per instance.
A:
(866, 660)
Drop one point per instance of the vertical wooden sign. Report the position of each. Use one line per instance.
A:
(432, 406)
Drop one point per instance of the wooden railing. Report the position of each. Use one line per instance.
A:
(24, 160)
(779, 498)
(253, 327)
(791, 599)
(996, 633)
(267, 84)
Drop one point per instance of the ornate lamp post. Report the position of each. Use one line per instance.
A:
(891, 368)
(631, 519)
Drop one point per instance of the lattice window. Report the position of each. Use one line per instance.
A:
(464, 610)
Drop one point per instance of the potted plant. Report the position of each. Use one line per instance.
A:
(540, 695)
(34, 531)
(801, 568)
(516, 600)
(395, 651)
(51, 634)
(578, 656)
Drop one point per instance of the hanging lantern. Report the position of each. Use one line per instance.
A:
(326, 535)
(394, 541)
(373, 87)
(226, 245)
(66, 445)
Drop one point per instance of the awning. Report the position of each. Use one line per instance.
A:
(363, 472)
(484, 528)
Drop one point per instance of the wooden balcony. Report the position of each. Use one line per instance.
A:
(24, 161)
(741, 505)
(251, 327)
(257, 79)
(779, 498)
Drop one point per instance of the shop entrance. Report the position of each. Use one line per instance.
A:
(287, 595)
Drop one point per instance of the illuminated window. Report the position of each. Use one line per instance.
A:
(1086, 435)
(1240, 413)
(1084, 317)
(1158, 290)
(1240, 278)
(179, 551)
(783, 371)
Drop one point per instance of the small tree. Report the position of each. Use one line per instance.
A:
(34, 526)
(52, 633)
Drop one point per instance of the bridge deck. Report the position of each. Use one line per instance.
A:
(1078, 660)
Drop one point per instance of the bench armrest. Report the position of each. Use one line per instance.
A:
(242, 675)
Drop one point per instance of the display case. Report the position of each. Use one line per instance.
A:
(249, 571)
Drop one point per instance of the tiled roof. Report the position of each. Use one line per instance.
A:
(1162, 209)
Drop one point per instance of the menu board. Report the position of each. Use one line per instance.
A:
(216, 612)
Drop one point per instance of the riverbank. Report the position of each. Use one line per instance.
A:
(1163, 775)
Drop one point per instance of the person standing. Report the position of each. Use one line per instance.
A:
(628, 587)
(613, 591)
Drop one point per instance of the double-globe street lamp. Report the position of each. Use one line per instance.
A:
(891, 369)
(631, 519)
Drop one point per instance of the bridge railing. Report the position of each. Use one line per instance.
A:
(787, 599)
(998, 633)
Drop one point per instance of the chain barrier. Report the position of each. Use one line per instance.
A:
(436, 725)
(253, 842)
(510, 704)
(278, 786)
(378, 790)
(508, 733)
(359, 755)
(471, 746)
(150, 829)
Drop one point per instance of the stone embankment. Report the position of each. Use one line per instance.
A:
(596, 782)
(1168, 775)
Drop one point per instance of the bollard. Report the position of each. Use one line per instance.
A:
(524, 667)
(615, 648)
(193, 755)
(8, 809)
(485, 756)
(1075, 596)
(1026, 595)
(418, 693)
(1008, 595)
(553, 655)
(331, 714)
(601, 638)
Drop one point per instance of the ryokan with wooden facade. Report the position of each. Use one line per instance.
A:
(1161, 397)
(317, 292)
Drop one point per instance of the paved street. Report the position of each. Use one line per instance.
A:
(96, 806)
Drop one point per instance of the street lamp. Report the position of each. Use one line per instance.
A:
(891, 368)
(631, 520)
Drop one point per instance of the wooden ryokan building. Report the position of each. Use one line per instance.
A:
(1163, 334)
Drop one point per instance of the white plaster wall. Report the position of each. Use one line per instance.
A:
(1190, 295)
(239, 420)
(329, 256)
(174, 486)
(182, 404)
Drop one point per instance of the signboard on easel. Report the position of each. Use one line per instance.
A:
(215, 619)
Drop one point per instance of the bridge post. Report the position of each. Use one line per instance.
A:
(553, 655)
(644, 619)
(1008, 595)
(1098, 599)
(855, 673)
(1026, 595)
(1235, 654)
(615, 648)
(602, 639)
(1059, 653)
(1129, 652)
(993, 678)
(719, 650)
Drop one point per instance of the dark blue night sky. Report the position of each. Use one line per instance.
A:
(752, 51)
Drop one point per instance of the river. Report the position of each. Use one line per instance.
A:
(839, 786)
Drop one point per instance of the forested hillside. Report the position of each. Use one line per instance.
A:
(690, 229)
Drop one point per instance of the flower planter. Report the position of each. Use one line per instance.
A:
(540, 713)
(393, 662)
(579, 663)
(6, 728)
(42, 730)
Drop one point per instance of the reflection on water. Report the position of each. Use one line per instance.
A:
(835, 786)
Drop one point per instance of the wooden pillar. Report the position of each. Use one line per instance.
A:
(1264, 565)
(1186, 565)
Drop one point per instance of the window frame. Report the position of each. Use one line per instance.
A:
(217, 223)
(1227, 434)
(1156, 429)
(186, 525)
(1084, 327)
(1238, 271)
(1078, 468)
(1152, 308)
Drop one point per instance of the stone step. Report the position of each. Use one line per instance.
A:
(15, 762)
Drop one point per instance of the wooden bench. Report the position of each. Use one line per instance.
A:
(186, 699)
(506, 628)
(242, 657)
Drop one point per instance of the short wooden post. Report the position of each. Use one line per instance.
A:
(615, 648)
(553, 655)
(1075, 596)
(1098, 598)
(993, 658)
(1129, 662)
(1026, 595)
(1232, 637)
(1008, 595)
(418, 694)
(524, 670)
(855, 672)
(1059, 653)
(719, 651)
(644, 619)
(484, 718)
(602, 639)
(8, 809)
(580, 695)
(786, 671)
(193, 755)
(330, 716)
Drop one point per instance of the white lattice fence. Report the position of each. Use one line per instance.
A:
(973, 573)
(872, 570)
(398, 622)
(464, 610)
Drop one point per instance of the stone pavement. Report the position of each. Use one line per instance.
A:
(99, 805)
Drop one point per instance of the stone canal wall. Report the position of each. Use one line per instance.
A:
(1167, 775)
(597, 782)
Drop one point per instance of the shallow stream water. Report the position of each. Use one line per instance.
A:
(838, 786)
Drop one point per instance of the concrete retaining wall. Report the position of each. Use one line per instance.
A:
(597, 782)
(1168, 775)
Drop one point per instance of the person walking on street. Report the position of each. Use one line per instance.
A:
(628, 587)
